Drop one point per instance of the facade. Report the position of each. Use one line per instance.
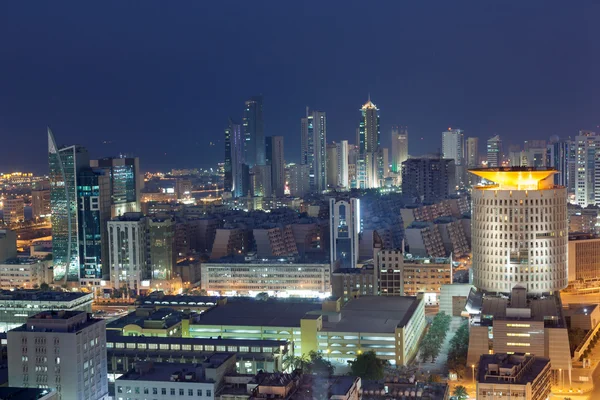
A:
(161, 256)
(254, 134)
(299, 181)
(276, 241)
(584, 260)
(65, 164)
(275, 158)
(453, 148)
(25, 273)
(236, 170)
(127, 251)
(13, 210)
(274, 277)
(345, 225)
(517, 375)
(423, 239)
(494, 152)
(429, 179)
(399, 148)
(20, 393)
(586, 147)
(61, 350)
(519, 231)
(369, 167)
(18, 305)
(313, 131)
(91, 227)
(332, 164)
(558, 158)
(582, 220)
(229, 242)
(348, 283)
(40, 203)
(342, 164)
(472, 152)
(124, 183)
(260, 181)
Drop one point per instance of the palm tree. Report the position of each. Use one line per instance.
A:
(293, 362)
(460, 392)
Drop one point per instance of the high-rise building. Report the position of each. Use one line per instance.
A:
(13, 210)
(260, 178)
(254, 134)
(236, 172)
(125, 183)
(342, 164)
(353, 157)
(65, 164)
(345, 227)
(161, 256)
(313, 135)
(127, 251)
(90, 227)
(369, 168)
(429, 179)
(275, 158)
(472, 156)
(586, 147)
(298, 182)
(494, 152)
(558, 152)
(332, 163)
(61, 350)
(519, 231)
(40, 203)
(453, 148)
(399, 148)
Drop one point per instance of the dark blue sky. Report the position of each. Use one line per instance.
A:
(159, 79)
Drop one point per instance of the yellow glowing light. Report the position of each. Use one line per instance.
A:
(517, 178)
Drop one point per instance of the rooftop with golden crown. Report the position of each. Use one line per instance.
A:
(515, 178)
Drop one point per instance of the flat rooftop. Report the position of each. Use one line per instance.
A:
(251, 312)
(168, 316)
(38, 295)
(376, 314)
(163, 372)
(523, 367)
(179, 300)
(17, 393)
(114, 337)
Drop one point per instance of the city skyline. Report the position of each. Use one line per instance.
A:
(133, 111)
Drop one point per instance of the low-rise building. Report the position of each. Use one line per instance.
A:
(24, 273)
(348, 283)
(517, 375)
(583, 260)
(582, 316)
(147, 321)
(13, 210)
(186, 303)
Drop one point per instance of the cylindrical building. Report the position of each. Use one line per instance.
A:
(519, 231)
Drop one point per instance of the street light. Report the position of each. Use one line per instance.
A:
(560, 377)
(473, 370)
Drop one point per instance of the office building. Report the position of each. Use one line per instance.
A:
(558, 158)
(332, 164)
(399, 148)
(277, 278)
(455, 206)
(472, 152)
(390, 326)
(13, 210)
(519, 231)
(89, 215)
(313, 137)
(428, 179)
(345, 225)
(513, 375)
(127, 243)
(369, 166)
(149, 321)
(260, 181)
(584, 260)
(236, 170)
(65, 164)
(494, 152)
(342, 164)
(40, 203)
(274, 241)
(124, 183)
(275, 158)
(423, 239)
(25, 273)
(61, 350)
(586, 148)
(349, 283)
(229, 242)
(453, 148)
(299, 179)
(582, 220)
(161, 256)
(254, 134)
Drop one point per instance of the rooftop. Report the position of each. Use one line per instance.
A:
(168, 316)
(21, 261)
(516, 369)
(517, 178)
(251, 312)
(38, 295)
(168, 372)
(18, 393)
(161, 299)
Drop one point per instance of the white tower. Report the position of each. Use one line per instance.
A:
(345, 226)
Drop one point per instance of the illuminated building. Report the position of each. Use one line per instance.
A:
(278, 278)
(494, 152)
(586, 165)
(429, 179)
(332, 159)
(345, 225)
(65, 164)
(8, 244)
(235, 169)
(275, 241)
(25, 273)
(472, 152)
(161, 256)
(453, 148)
(399, 148)
(275, 159)
(313, 138)
(13, 210)
(513, 375)
(342, 164)
(519, 231)
(127, 251)
(558, 157)
(53, 351)
(229, 242)
(260, 176)
(254, 134)
(584, 261)
(125, 183)
(299, 181)
(40, 203)
(90, 230)
(369, 168)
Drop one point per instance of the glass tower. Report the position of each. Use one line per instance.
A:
(254, 133)
(90, 224)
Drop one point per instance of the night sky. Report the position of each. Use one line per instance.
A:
(159, 79)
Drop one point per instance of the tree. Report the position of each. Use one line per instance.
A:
(293, 362)
(318, 365)
(368, 366)
(44, 287)
(460, 392)
(434, 378)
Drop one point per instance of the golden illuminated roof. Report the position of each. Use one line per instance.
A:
(517, 178)
(369, 105)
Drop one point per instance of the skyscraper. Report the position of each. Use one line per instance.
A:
(519, 231)
(558, 152)
(345, 227)
(313, 136)
(332, 159)
(342, 164)
(453, 148)
(587, 144)
(254, 134)
(65, 163)
(494, 151)
(472, 157)
(298, 182)
(275, 158)
(161, 256)
(127, 251)
(370, 166)
(90, 227)
(428, 179)
(228, 161)
(399, 148)
(234, 160)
